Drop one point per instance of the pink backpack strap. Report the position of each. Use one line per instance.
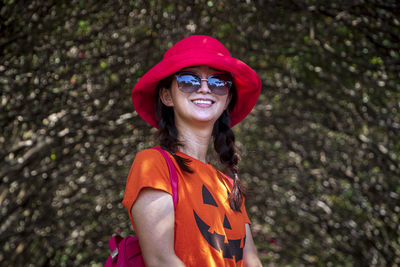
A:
(113, 244)
(172, 174)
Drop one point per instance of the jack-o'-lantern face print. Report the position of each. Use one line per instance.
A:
(216, 227)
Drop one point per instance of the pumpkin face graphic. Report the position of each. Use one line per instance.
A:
(230, 247)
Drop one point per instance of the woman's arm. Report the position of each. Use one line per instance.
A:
(153, 214)
(250, 257)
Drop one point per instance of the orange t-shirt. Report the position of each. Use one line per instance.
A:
(207, 231)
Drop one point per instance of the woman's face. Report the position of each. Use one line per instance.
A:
(200, 107)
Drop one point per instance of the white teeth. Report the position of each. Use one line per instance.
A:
(198, 101)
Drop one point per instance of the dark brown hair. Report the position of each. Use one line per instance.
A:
(224, 141)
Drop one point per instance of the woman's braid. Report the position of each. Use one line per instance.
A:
(224, 144)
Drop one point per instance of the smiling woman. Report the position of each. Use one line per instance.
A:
(195, 94)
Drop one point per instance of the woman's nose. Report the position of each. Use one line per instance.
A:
(204, 87)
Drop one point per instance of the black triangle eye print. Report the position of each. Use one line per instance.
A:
(227, 225)
(208, 198)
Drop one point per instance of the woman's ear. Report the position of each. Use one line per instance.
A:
(165, 96)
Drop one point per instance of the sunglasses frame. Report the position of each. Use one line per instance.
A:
(197, 76)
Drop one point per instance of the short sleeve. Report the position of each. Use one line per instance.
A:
(149, 170)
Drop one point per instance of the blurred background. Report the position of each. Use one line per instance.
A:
(321, 149)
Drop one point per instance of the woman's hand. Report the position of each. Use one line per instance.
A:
(153, 214)
(250, 257)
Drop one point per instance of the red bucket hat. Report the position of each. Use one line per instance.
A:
(193, 51)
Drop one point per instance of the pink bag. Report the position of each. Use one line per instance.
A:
(126, 251)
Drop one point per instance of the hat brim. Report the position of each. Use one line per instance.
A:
(246, 81)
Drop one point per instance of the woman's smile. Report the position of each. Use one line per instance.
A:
(203, 103)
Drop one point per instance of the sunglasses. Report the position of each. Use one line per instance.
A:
(189, 82)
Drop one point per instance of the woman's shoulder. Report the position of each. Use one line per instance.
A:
(149, 162)
(226, 177)
(148, 155)
(154, 155)
(148, 152)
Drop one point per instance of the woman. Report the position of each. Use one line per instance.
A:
(196, 92)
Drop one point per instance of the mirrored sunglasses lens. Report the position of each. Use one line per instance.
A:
(188, 83)
(219, 86)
